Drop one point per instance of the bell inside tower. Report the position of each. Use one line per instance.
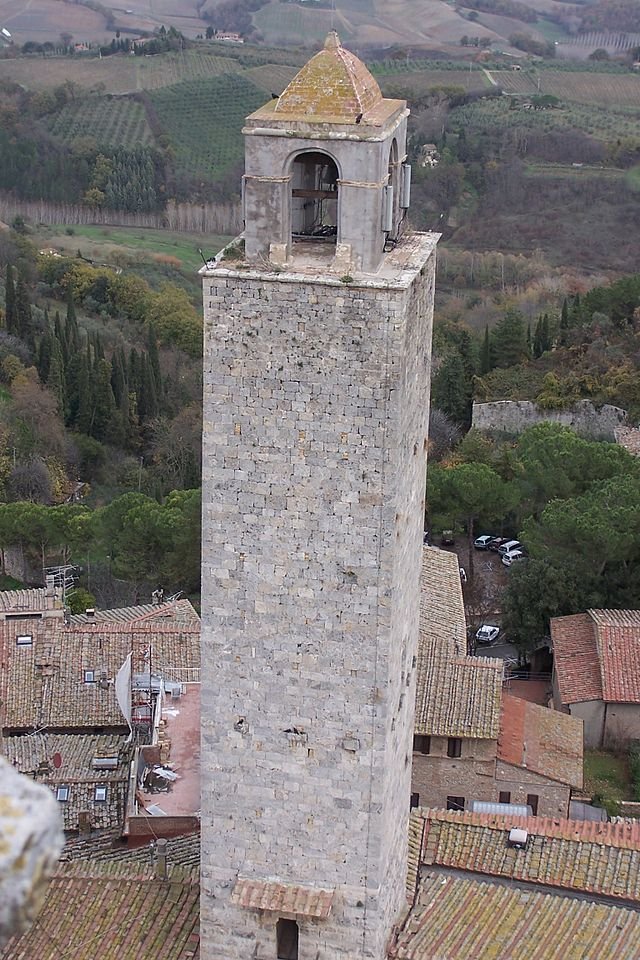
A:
(314, 198)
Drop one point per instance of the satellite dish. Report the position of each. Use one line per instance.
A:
(57, 760)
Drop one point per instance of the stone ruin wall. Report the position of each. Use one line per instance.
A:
(514, 416)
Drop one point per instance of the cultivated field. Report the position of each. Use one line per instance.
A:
(44, 20)
(272, 77)
(203, 120)
(118, 74)
(607, 89)
(112, 123)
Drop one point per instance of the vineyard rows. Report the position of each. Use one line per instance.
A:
(272, 77)
(167, 70)
(607, 89)
(113, 123)
(203, 120)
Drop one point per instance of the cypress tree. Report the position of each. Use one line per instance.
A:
(154, 360)
(485, 353)
(564, 323)
(44, 357)
(56, 380)
(84, 400)
(104, 404)
(10, 302)
(24, 320)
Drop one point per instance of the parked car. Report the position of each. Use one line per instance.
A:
(512, 557)
(482, 543)
(496, 542)
(487, 634)
(509, 547)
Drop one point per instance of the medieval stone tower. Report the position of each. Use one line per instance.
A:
(316, 389)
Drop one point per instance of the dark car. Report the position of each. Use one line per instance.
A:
(496, 543)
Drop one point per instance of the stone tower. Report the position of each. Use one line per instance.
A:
(316, 390)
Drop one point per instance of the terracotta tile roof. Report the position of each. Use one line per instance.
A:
(179, 612)
(109, 845)
(575, 658)
(618, 642)
(417, 826)
(456, 695)
(43, 684)
(595, 858)
(597, 656)
(33, 755)
(455, 918)
(282, 897)
(33, 600)
(114, 911)
(545, 741)
(442, 618)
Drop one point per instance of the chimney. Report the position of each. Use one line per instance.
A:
(161, 861)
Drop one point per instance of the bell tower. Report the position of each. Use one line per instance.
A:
(316, 391)
(325, 161)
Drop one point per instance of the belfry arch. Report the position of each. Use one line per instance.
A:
(314, 197)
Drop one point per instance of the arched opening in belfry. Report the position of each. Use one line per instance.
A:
(392, 194)
(314, 198)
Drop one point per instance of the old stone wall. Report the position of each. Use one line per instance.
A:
(514, 416)
(553, 797)
(472, 775)
(315, 435)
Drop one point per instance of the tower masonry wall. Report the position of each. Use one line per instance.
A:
(315, 434)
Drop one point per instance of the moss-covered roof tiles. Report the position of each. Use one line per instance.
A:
(334, 84)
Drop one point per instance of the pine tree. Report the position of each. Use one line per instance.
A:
(529, 341)
(510, 339)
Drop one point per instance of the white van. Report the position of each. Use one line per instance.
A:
(509, 546)
(512, 557)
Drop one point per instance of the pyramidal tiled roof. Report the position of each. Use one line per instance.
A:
(334, 85)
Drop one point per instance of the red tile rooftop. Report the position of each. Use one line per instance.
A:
(282, 897)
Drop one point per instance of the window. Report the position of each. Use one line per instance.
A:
(421, 744)
(532, 801)
(101, 794)
(454, 747)
(287, 939)
(455, 803)
(89, 676)
(62, 794)
(415, 801)
(24, 640)
(504, 797)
